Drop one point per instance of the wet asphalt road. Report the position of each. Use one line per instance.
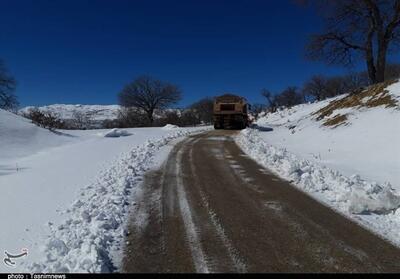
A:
(210, 208)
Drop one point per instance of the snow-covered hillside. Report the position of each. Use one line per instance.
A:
(65, 195)
(19, 138)
(95, 112)
(367, 143)
(343, 151)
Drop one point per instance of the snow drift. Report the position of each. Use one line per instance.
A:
(116, 133)
(170, 127)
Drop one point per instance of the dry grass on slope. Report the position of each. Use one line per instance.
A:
(373, 96)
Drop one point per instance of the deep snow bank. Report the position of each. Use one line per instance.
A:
(349, 194)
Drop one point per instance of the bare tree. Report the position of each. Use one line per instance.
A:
(8, 100)
(189, 117)
(354, 81)
(129, 117)
(171, 117)
(148, 94)
(336, 86)
(257, 109)
(271, 99)
(81, 120)
(316, 87)
(47, 120)
(204, 109)
(289, 97)
(392, 71)
(320, 87)
(365, 29)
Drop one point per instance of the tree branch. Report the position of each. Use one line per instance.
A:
(342, 40)
(395, 22)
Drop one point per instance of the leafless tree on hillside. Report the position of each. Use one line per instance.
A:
(366, 29)
(47, 120)
(8, 100)
(316, 87)
(149, 94)
(289, 97)
(204, 110)
(257, 109)
(270, 99)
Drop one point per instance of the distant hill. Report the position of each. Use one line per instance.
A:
(95, 112)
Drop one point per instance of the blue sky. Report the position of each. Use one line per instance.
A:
(86, 51)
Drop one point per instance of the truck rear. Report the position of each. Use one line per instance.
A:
(230, 112)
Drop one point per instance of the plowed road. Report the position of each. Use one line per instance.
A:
(210, 208)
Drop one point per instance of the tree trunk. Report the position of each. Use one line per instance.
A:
(381, 62)
(369, 57)
(371, 69)
(150, 117)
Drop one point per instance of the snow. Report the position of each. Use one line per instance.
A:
(367, 146)
(66, 195)
(394, 90)
(351, 194)
(170, 127)
(373, 205)
(95, 227)
(353, 168)
(18, 138)
(115, 133)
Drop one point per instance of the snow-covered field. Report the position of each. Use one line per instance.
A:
(354, 167)
(65, 196)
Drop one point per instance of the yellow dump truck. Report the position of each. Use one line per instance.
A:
(230, 112)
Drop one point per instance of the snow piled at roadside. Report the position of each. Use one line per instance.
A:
(373, 205)
(89, 239)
